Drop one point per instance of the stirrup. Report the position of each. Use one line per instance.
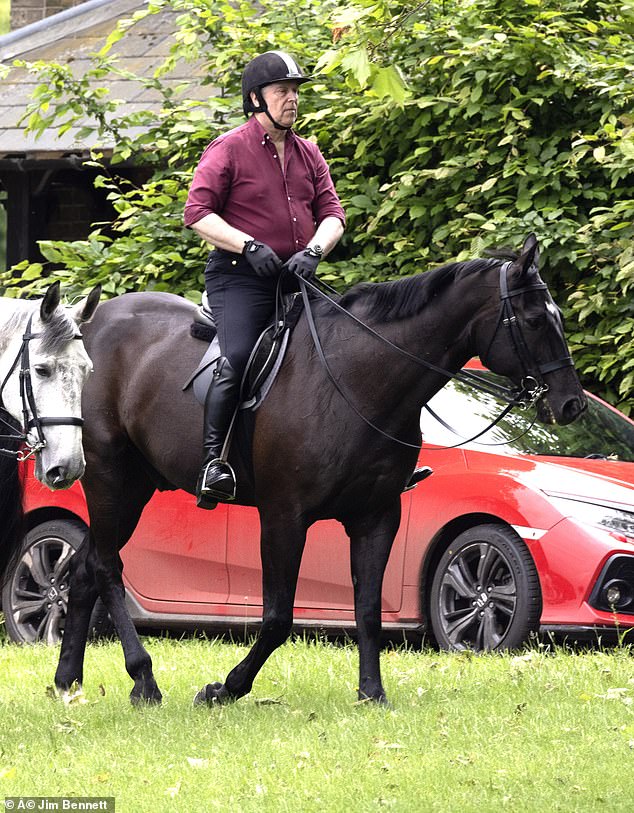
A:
(219, 495)
(418, 475)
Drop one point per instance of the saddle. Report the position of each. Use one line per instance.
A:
(264, 362)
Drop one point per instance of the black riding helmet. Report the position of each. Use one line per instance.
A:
(272, 66)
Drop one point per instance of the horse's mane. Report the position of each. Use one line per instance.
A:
(406, 297)
(57, 331)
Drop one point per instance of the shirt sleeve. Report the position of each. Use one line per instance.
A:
(210, 184)
(326, 203)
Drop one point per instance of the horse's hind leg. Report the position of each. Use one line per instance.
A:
(282, 545)
(82, 597)
(138, 662)
(371, 540)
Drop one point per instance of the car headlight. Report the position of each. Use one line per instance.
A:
(618, 520)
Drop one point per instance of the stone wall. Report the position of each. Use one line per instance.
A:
(25, 12)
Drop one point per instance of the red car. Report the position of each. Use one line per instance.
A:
(528, 526)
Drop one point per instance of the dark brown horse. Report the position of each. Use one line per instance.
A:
(312, 456)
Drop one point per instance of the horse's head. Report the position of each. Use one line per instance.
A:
(526, 340)
(43, 391)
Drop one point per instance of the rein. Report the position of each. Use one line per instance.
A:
(29, 406)
(533, 386)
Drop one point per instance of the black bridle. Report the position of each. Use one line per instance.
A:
(30, 417)
(533, 386)
(533, 373)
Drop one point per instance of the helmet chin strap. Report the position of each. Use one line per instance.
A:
(263, 108)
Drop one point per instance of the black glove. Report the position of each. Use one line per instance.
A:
(262, 259)
(304, 263)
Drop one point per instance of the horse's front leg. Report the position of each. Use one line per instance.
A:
(282, 545)
(82, 597)
(371, 539)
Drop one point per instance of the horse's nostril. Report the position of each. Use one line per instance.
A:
(573, 408)
(57, 475)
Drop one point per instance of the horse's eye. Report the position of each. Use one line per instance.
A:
(43, 370)
(535, 322)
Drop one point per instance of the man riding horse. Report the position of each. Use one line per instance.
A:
(264, 198)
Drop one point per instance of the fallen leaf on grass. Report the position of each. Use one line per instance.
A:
(198, 763)
(615, 693)
(390, 746)
(174, 790)
(68, 726)
(75, 698)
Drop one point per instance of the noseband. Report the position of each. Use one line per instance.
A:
(533, 386)
(28, 403)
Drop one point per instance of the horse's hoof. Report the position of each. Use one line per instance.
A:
(146, 697)
(378, 699)
(212, 694)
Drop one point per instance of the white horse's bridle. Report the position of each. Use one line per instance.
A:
(30, 417)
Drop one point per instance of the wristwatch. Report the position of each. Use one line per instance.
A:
(314, 251)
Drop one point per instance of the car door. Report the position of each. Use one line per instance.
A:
(324, 581)
(177, 555)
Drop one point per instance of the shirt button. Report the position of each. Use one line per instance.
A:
(234, 262)
(294, 220)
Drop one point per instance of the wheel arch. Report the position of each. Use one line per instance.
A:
(39, 515)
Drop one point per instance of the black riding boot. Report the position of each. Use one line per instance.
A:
(216, 482)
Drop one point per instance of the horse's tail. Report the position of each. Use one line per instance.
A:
(11, 508)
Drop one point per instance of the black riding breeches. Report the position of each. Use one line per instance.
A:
(242, 305)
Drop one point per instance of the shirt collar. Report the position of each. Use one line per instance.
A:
(261, 134)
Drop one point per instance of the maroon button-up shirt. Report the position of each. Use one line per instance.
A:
(240, 178)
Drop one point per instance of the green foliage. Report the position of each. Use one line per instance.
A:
(5, 16)
(449, 128)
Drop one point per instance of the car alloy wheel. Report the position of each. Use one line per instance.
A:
(35, 595)
(485, 592)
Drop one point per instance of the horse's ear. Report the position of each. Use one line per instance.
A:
(84, 310)
(529, 258)
(50, 302)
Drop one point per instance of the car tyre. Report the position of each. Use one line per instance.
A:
(35, 594)
(485, 591)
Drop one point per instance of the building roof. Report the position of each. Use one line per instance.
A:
(70, 38)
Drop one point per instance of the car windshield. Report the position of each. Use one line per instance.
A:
(599, 432)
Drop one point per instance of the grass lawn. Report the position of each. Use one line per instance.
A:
(531, 732)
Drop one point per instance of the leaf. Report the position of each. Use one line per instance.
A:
(389, 82)
(328, 61)
(174, 790)
(194, 762)
(358, 63)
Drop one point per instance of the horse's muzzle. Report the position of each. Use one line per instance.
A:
(60, 477)
(562, 414)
